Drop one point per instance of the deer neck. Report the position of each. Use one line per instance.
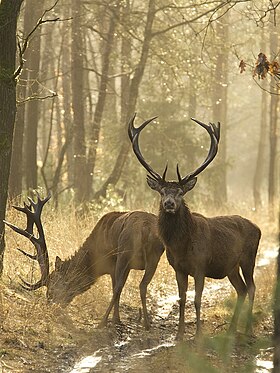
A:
(79, 271)
(176, 228)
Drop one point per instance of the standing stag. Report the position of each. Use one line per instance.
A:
(198, 246)
(119, 242)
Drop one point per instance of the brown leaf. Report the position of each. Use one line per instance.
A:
(262, 66)
(242, 66)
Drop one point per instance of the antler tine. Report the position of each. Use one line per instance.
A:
(133, 134)
(214, 132)
(178, 173)
(33, 257)
(132, 131)
(27, 286)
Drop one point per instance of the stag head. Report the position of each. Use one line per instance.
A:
(60, 289)
(172, 192)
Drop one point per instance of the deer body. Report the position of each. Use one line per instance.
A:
(204, 242)
(210, 247)
(198, 246)
(119, 242)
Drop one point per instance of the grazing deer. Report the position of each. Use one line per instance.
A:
(119, 242)
(198, 246)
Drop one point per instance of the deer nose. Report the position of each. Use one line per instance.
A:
(169, 205)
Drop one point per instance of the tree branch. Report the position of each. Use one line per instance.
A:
(22, 48)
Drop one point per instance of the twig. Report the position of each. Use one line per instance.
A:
(35, 97)
(22, 48)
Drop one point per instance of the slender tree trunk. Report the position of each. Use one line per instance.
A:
(259, 172)
(133, 95)
(68, 119)
(94, 139)
(219, 105)
(126, 53)
(276, 335)
(80, 166)
(66, 97)
(272, 184)
(9, 10)
(16, 175)
(35, 10)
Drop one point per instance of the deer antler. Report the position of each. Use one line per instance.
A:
(214, 132)
(212, 129)
(133, 134)
(33, 213)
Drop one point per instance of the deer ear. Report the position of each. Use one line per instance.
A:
(154, 184)
(58, 263)
(190, 184)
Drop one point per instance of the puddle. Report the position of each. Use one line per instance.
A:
(149, 351)
(165, 305)
(264, 361)
(267, 256)
(86, 364)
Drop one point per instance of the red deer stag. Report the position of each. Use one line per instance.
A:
(199, 246)
(119, 242)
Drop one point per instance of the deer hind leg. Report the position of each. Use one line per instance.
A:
(241, 290)
(121, 274)
(149, 273)
(182, 282)
(251, 288)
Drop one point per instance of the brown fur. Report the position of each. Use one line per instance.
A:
(210, 247)
(119, 242)
(199, 246)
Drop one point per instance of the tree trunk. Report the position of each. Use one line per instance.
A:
(133, 95)
(77, 79)
(259, 172)
(219, 105)
(9, 10)
(34, 10)
(272, 187)
(95, 131)
(276, 335)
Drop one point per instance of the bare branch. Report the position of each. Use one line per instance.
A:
(213, 10)
(271, 8)
(36, 97)
(40, 22)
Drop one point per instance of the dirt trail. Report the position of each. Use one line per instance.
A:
(37, 339)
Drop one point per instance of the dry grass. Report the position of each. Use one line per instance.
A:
(36, 337)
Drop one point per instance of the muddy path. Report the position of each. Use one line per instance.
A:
(129, 348)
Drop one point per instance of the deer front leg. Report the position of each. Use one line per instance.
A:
(149, 273)
(182, 282)
(199, 285)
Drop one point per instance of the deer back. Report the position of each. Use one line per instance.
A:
(139, 240)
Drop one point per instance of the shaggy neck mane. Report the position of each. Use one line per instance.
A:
(175, 228)
(78, 269)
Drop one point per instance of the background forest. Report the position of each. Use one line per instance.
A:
(93, 64)
(80, 70)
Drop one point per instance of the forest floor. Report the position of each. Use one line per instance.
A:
(36, 337)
